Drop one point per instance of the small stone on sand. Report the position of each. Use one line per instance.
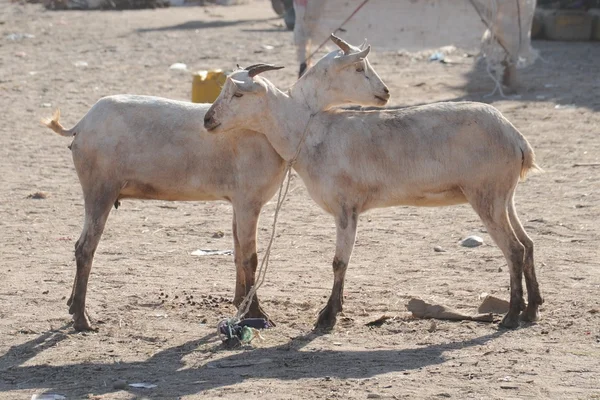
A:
(471, 241)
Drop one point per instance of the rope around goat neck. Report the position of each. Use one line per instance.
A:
(264, 265)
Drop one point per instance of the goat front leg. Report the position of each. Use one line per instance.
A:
(246, 223)
(240, 279)
(346, 224)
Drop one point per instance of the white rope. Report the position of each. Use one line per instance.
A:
(498, 85)
(262, 270)
(307, 59)
(492, 9)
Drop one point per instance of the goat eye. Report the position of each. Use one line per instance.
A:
(360, 69)
(238, 95)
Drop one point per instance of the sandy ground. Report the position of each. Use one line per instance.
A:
(145, 254)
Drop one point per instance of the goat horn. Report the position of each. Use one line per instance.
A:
(257, 69)
(248, 68)
(341, 43)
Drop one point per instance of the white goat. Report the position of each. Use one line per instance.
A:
(352, 161)
(504, 44)
(153, 148)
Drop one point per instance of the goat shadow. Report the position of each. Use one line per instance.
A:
(547, 80)
(174, 378)
(564, 77)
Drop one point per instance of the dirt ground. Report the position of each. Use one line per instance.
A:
(145, 255)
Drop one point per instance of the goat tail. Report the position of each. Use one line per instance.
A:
(528, 159)
(53, 124)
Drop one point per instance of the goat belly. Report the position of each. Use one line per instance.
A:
(436, 199)
(442, 198)
(151, 191)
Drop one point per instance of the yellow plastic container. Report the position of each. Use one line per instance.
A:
(206, 85)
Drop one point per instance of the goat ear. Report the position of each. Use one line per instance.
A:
(241, 85)
(364, 44)
(244, 86)
(365, 52)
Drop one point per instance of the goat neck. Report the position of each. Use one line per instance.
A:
(285, 125)
(309, 89)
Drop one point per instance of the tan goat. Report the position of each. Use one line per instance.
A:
(153, 148)
(434, 155)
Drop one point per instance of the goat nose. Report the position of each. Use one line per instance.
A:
(207, 119)
(386, 90)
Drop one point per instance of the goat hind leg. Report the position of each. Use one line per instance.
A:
(70, 301)
(493, 212)
(97, 209)
(534, 297)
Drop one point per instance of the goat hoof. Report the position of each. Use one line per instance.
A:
(326, 320)
(238, 299)
(510, 321)
(82, 324)
(260, 313)
(531, 313)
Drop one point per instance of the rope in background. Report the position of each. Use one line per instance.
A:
(338, 28)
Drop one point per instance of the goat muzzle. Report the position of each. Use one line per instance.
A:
(209, 121)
